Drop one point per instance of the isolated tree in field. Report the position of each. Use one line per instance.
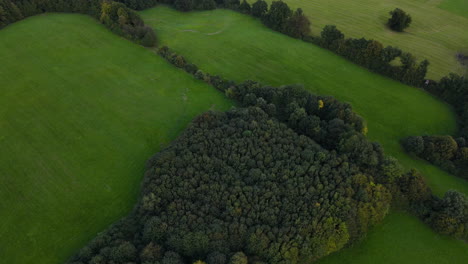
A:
(399, 20)
(278, 16)
(298, 25)
(259, 8)
(244, 7)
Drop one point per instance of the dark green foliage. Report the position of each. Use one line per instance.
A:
(127, 23)
(444, 151)
(414, 189)
(278, 16)
(298, 25)
(232, 4)
(216, 258)
(243, 184)
(245, 7)
(331, 36)
(372, 55)
(149, 38)
(172, 258)
(205, 4)
(259, 8)
(239, 258)
(139, 4)
(450, 215)
(184, 5)
(399, 20)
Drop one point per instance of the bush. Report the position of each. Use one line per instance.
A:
(399, 20)
(259, 8)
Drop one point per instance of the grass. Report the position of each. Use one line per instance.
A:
(238, 47)
(80, 112)
(459, 7)
(435, 33)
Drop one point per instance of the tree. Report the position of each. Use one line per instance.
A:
(414, 144)
(205, 4)
(244, 7)
(149, 39)
(238, 258)
(399, 20)
(184, 5)
(298, 25)
(330, 35)
(259, 8)
(216, 258)
(232, 4)
(278, 16)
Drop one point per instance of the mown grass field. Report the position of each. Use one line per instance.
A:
(459, 7)
(437, 33)
(81, 110)
(238, 47)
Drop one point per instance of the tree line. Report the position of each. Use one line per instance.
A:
(445, 151)
(114, 15)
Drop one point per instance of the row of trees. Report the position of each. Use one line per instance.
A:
(116, 16)
(444, 151)
(374, 56)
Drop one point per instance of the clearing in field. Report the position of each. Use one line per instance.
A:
(435, 33)
(81, 110)
(244, 49)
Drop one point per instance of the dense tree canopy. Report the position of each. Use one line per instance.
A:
(243, 182)
(399, 20)
(445, 151)
(259, 8)
(277, 16)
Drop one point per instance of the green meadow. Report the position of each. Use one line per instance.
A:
(81, 111)
(437, 33)
(459, 7)
(238, 47)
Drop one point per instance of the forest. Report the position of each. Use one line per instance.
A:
(240, 186)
